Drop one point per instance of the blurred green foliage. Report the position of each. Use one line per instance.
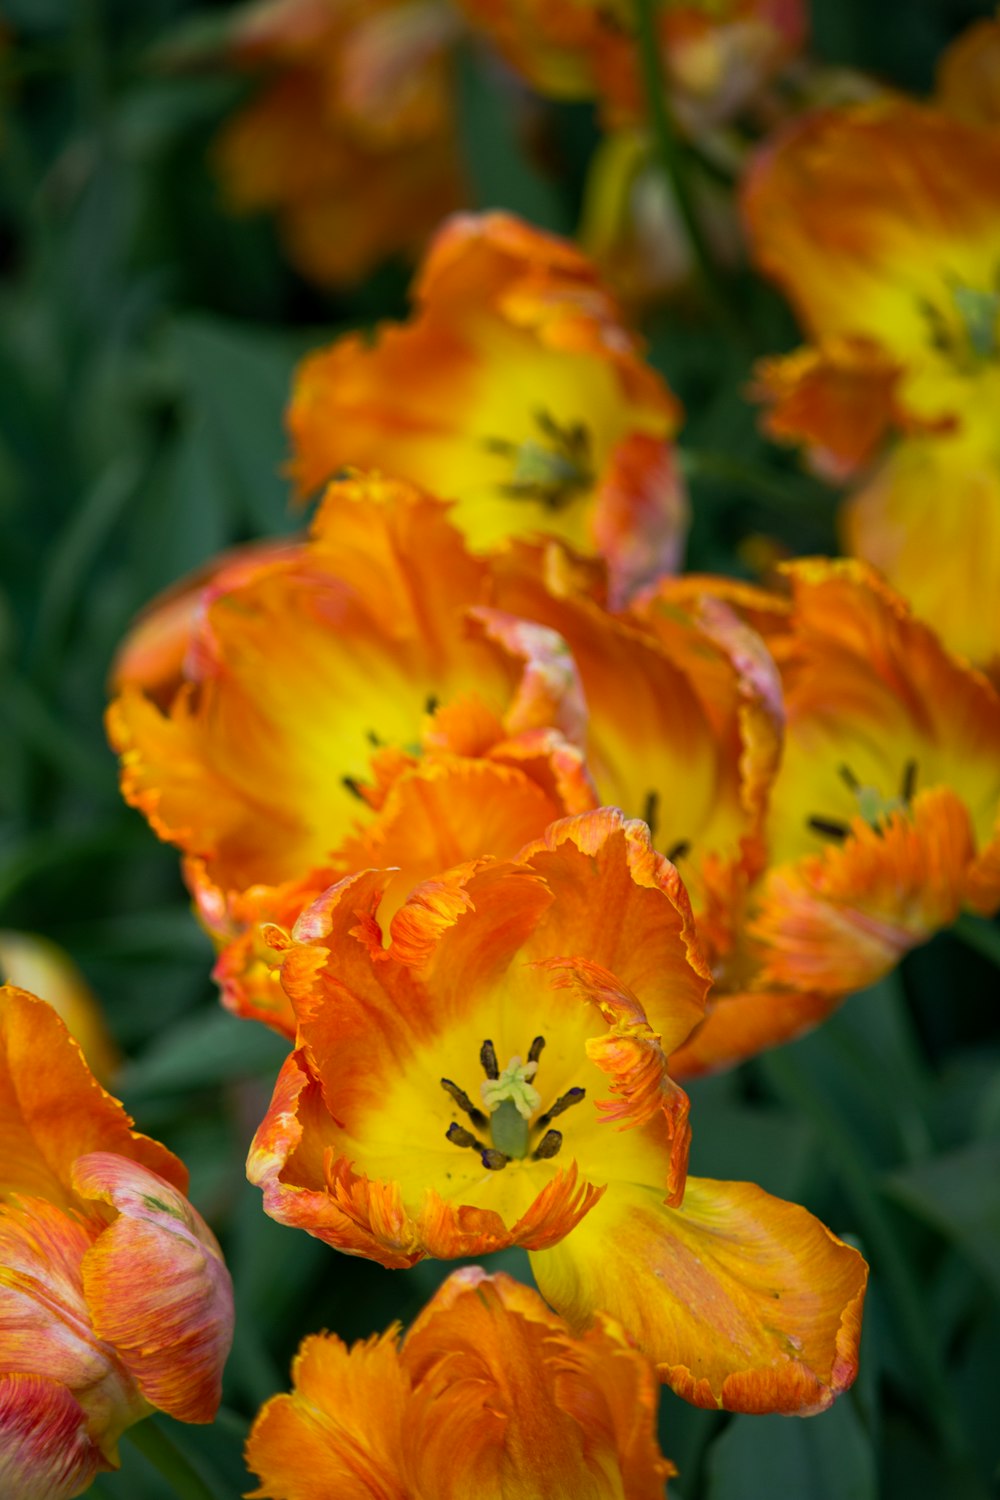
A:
(146, 344)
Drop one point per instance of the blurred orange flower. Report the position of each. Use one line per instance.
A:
(114, 1299)
(350, 701)
(31, 962)
(717, 54)
(352, 141)
(884, 818)
(882, 224)
(968, 74)
(533, 409)
(566, 979)
(489, 1394)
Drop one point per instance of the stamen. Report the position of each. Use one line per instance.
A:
(827, 828)
(650, 810)
(564, 1102)
(353, 786)
(463, 1101)
(548, 1145)
(849, 779)
(909, 781)
(488, 1059)
(431, 705)
(494, 1160)
(535, 1050)
(677, 851)
(459, 1136)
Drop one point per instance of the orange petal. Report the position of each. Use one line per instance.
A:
(743, 1301)
(157, 1287)
(51, 1115)
(624, 907)
(338, 1433)
(968, 74)
(837, 921)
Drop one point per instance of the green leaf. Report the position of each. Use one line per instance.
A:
(828, 1457)
(237, 382)
(213, 1048)
(959, 1195)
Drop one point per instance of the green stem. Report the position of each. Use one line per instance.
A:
(900, 1290)
(978, 933)
(766, 487)
(167, 1459)
(675, 162)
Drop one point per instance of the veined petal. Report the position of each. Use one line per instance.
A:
(339, 1432)
(743, 1301)
(46, 1452)
(157, 1288)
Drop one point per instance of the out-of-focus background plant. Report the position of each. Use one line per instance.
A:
(190, 200)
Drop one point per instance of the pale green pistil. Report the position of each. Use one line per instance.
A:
(511, 1101)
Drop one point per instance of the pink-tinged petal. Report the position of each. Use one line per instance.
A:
(642, 514)
(157, 1287)
(742, 1300)
(46, 1452)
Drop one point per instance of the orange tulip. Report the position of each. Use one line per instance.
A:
(566, 979)
(33, 963)
(489, 1395)
(353, 701)
(884, 818)
(882, 224)
(968, 74)
(352, 141)
(114, 1299)
(533, 410)
(716, 56)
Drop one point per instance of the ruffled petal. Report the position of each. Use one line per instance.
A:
(46, 1452)
(742, 1300)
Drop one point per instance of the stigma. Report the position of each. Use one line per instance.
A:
(510, 1111)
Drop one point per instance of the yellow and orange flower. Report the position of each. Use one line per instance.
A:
(884, 818)
(532, 407)
(352, 141)
(114, 1299)
(716, 56)
(354, 700)
(882, 225)
(968, 74)
(30, 962)
(566, 978)
(490, 1394)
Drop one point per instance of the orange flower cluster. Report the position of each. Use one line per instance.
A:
(352, 139)
(114, 1299)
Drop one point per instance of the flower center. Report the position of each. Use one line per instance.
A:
(553, 468)
(510, 1104)
(967, 332)
(872, 805)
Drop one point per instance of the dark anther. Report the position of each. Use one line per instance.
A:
(650, 809)
(354, 787)
(909, 780)
(548, 1145)
(502, 446)
(463, 1101)
(535, 1050)
(564, 1102)
(488, 1058)
(677, 851)
(493, 1159)
(373, 739)
(459, 1136)
(849, 779)
(431, 706)
(828, 828)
